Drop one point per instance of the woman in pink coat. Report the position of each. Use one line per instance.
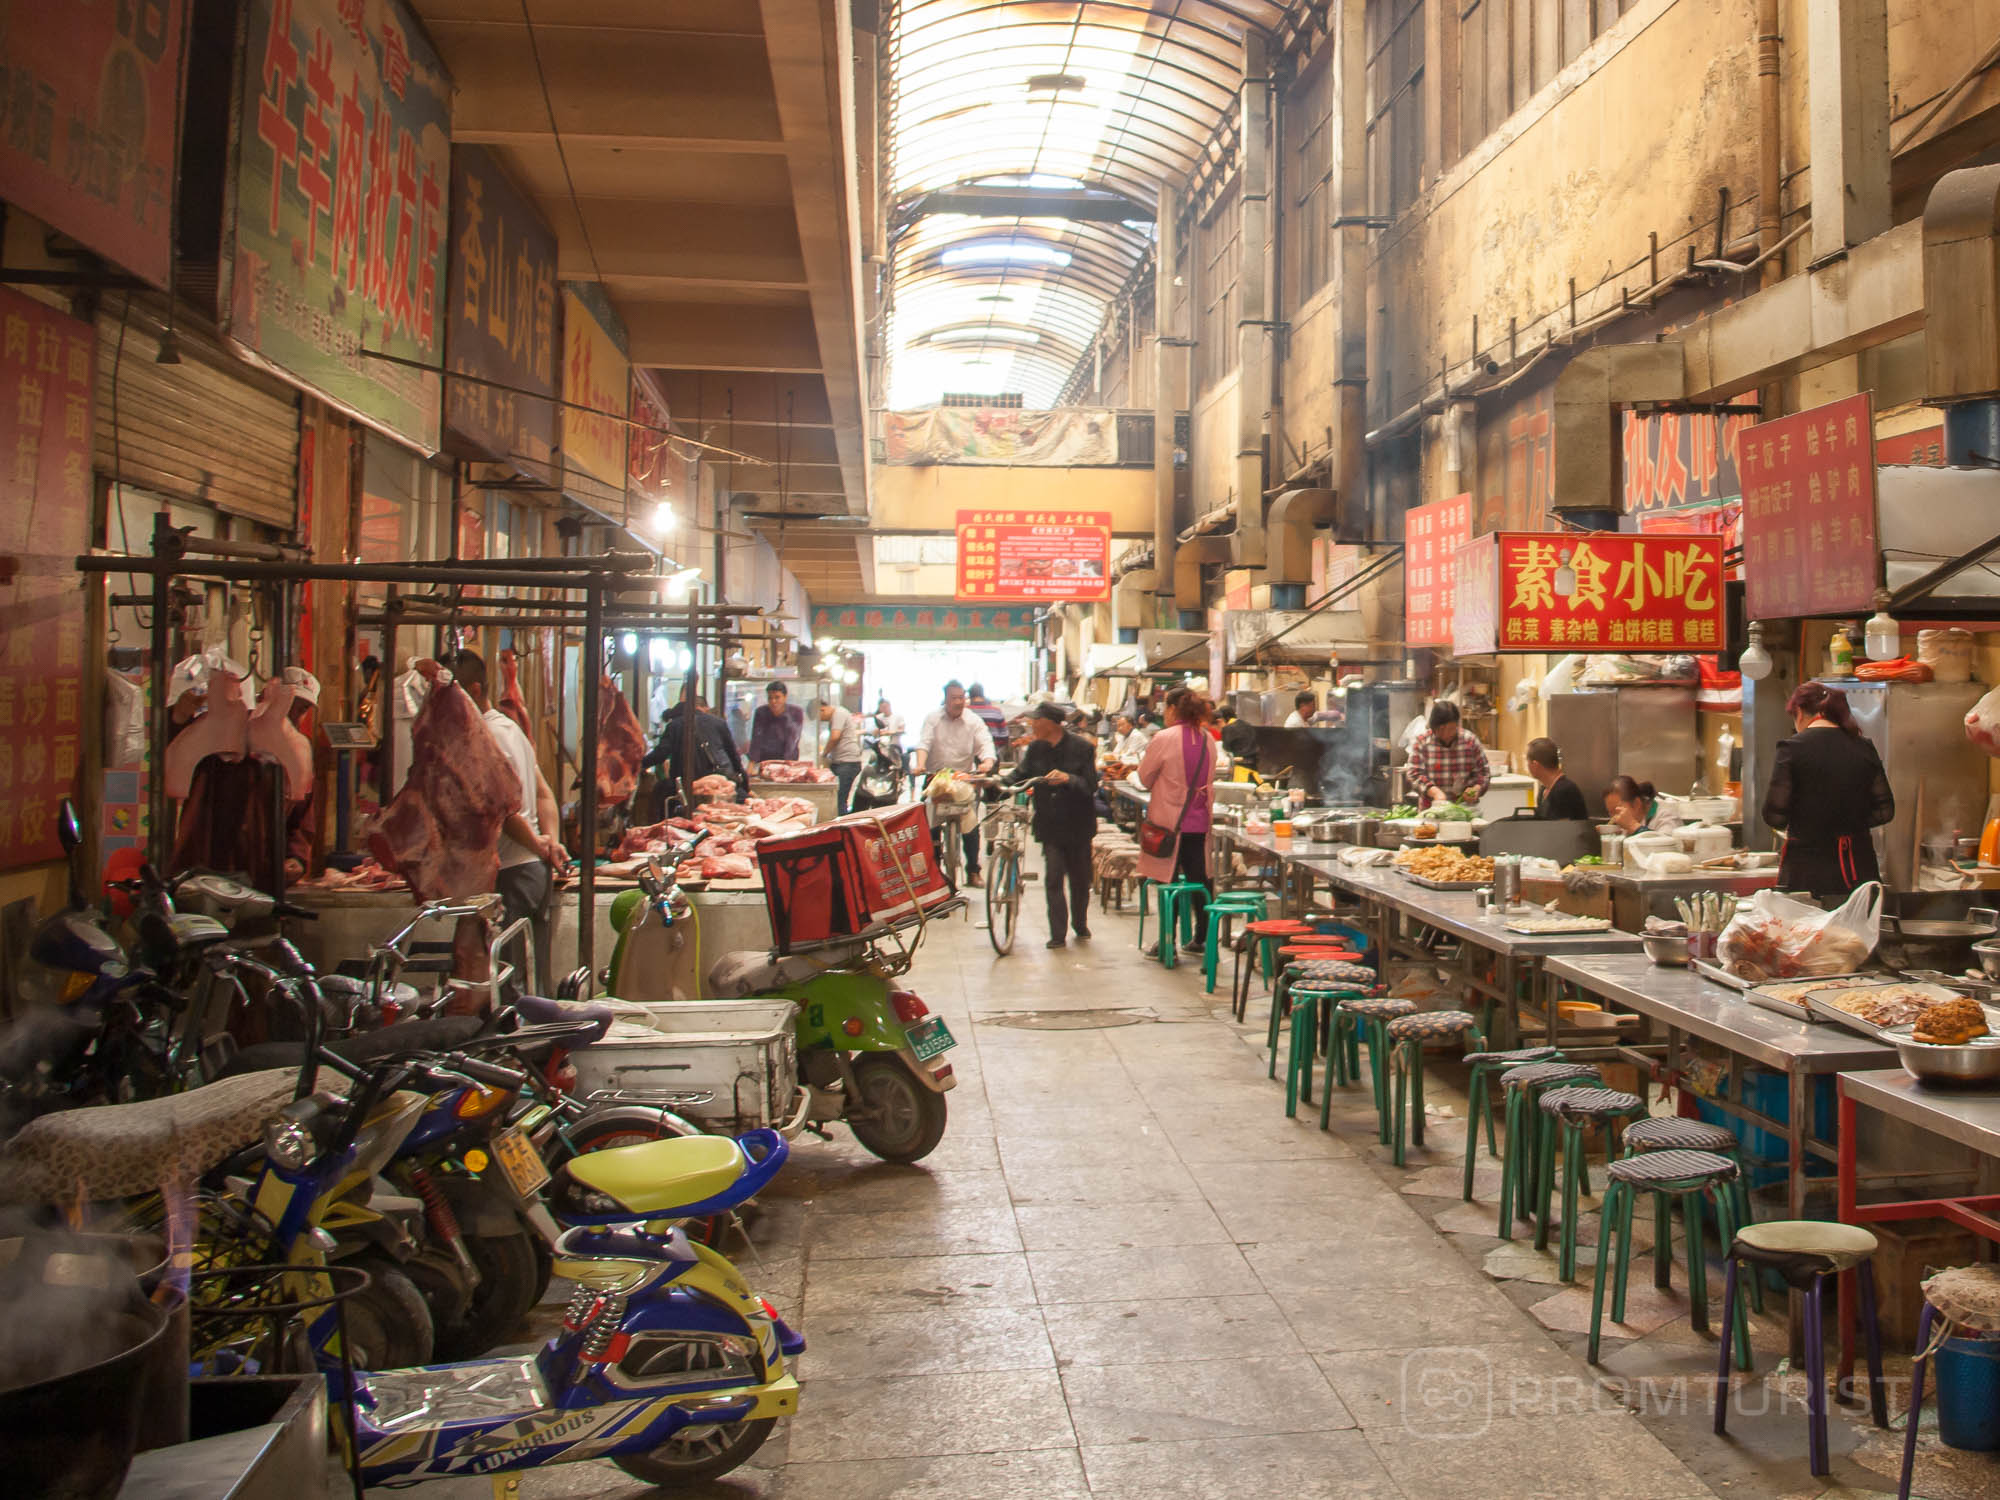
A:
(1180, 758)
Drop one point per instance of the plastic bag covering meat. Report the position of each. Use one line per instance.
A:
(442, 831)
(124, 722)
(1779, 938)
(510, 702)
(621, 745)
(273, 737)
(1982, 725)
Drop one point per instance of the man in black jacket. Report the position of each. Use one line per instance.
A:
(1065, 817)
(715, 752)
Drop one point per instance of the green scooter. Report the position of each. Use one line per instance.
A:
(869, 1053)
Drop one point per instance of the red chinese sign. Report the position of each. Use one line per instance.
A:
(1923, 447)
(1034, 554)
(1432, 535)
(1674, 458)
(1809, 539)
(45, 498)
(89, 95)
(1593, 591)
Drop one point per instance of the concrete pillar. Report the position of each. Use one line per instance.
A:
(1847, 63)
(1166, 350)
(1253, 335)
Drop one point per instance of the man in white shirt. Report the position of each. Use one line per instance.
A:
(1303, 708)
(840, 748)
(955, 739)
(1129, 742)
(528, 856)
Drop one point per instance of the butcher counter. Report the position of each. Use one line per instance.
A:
(729, 915)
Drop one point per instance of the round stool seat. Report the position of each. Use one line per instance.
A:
(1671, 1133)
(1969, 1296)
(1329, 968)
(1535, 1074)
(1275, 927)
(1802, 1249)
(1378, 1007)
(1517, 1056)
(1656, 1167)
(1431, 1025)
(1585, 1104)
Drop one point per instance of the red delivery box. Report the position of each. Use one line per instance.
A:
(838, 879)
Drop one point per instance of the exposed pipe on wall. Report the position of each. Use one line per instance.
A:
(1165, 389)
(1770, 121)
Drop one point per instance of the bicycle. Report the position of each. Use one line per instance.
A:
(1003, 863)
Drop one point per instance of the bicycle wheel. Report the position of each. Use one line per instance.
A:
(1003, 897)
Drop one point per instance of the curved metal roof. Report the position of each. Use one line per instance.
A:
(1114, 95)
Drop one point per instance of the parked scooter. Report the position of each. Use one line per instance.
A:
(869, 1052)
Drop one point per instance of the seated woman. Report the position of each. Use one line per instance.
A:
(1630, 805)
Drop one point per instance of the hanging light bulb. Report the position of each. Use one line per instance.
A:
(628, 643)
(664, 519)
(658, 653)
(1755, 662)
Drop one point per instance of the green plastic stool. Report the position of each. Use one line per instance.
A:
(1521, 1087)
(1170, 894)
(1479, 1097)
(1302, 1052)
(1221, 909)
(1694, 1177)
(1407, 1035)
(1367, 1019)
(1680, 1133)
(1328, 991)
(1569, 1110)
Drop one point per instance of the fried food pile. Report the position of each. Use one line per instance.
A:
(1446, 865)
(1951, 1023)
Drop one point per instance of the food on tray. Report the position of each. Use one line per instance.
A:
(1555, 921)
(1447, 866)
(1760, 944)
(1951, 1023)
(1424, 831)
(1402, 810)
(1797, 992)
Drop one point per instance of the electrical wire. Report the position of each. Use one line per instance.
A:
(117, 450)
(548, 105)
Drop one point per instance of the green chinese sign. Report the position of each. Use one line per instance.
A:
(903, 622)
(335, 240)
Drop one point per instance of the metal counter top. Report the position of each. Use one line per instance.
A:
(1967, 1116)
(1682, 999)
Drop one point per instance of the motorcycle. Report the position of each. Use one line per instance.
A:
(869, 1052)
(883, 775)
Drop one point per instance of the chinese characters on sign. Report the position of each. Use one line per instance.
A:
(862, 622)
(502, 322)
(1592, 591)
(45, 499)
(1809, 512)
(1432, 535)
(1682, 458)
(596, 375)
(1034, 554)
(343, 165)
(88, 101)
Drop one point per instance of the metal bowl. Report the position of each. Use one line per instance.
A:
(1988, 954)
(1669, 952)
(1973, 1064)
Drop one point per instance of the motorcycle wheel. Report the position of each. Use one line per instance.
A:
(388, 1322)
(706, 1453)
(906, 1120)
(509, 1284)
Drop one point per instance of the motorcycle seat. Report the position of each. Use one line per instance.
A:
(120, 1150)
(538, 1010)
(425, 1034)
(680, 1177)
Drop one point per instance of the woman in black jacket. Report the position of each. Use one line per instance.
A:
(1828, 789)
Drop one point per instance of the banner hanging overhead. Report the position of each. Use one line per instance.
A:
(88, 99)
(1589, 591)
(334, 245)
(501, 326)
(1034, 554)
(45, 501)
(597, 380)
(904, 622)
(1000, 435)
(1809, 537)
(1432, 535)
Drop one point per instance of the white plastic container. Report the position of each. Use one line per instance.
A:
(742, 1051)
(1948, 653)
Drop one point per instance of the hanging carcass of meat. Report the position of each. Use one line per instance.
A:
(621, 745)
(510, 702)
(272, 736)
(442, 831)
(224, 730)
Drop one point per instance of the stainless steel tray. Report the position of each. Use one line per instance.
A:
(1444, 885)
(1892, 1034)
(1767, 993)
(1718, 974)
(1584, 927)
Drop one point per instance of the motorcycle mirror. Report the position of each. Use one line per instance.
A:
(69, 828)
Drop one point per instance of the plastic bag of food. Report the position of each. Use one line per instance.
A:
(1775, 937)
(1982, 725)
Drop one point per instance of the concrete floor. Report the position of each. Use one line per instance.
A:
(1126, 1274)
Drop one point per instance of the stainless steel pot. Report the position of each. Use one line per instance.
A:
(1332, 831)
(1972, 1065)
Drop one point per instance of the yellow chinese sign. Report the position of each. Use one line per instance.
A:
(1602, 591)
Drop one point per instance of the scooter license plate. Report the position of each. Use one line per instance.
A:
(520, 1161)
(929, 1037)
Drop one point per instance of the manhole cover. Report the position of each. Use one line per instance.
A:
(1067, 1020)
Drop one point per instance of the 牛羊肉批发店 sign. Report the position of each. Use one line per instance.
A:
(1034, 554)
(1589, 591)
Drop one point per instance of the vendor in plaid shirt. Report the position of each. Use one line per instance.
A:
(1447, 763)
